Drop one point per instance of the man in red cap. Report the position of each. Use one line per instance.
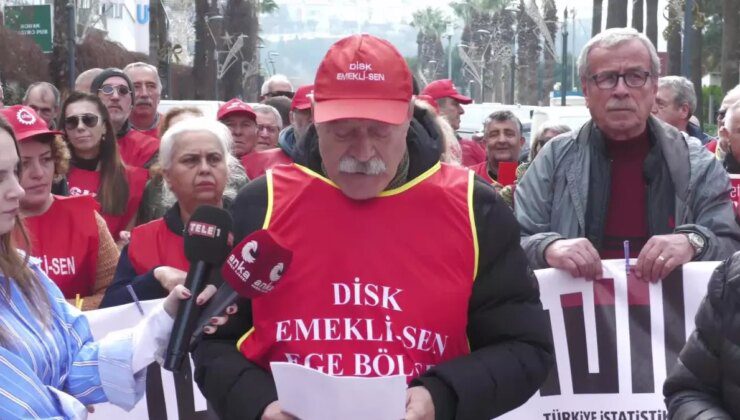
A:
(449, 102)
(242, 122)
(401, 265)
(257, 163)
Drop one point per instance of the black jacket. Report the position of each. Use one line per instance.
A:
(705, 383)
(508, 330)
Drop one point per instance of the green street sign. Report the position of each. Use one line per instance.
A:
(33, 21)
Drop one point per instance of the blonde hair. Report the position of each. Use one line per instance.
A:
(14, 265)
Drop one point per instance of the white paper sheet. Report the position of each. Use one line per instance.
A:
(312, 395)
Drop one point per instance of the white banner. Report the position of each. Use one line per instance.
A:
(168, 396)
(127, 22)
(615, 339)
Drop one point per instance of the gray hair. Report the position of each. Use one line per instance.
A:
(611, 38)
(539, 134)
(502, 116)
(683, 90)
(275, 78)
(730, 115)
(235, 172)
(141, 64)
(46, 85)
(269, 109)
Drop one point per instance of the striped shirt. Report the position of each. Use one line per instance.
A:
(53, 373)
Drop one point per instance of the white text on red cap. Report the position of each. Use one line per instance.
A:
(360, 71)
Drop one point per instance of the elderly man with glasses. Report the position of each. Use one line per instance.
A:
(115, 89)
(624, 176)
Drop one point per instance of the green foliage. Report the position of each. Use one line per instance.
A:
(430, 21)
(268, 6)
(715, 92)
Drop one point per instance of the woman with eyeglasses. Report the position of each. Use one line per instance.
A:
(50, 366)
(96, 167)
(68, 236)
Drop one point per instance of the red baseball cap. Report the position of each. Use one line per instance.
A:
(444, 88)
(362, 76)
(235, 106)
(25, 122)
(301, 99)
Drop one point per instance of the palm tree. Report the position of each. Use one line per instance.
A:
(431, 24)
(729, 62)
(596, 19)
(637, 15)
(651, 27)
(528, 53)
(550, 13)
(487, 35)
(616, 16)
(672, 34)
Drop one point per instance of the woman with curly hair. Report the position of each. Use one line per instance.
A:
(67, 235)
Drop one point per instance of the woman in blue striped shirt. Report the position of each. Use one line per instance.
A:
(50, 367)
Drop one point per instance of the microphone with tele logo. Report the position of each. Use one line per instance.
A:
(207, 239)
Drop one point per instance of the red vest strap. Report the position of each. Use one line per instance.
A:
(153, 244)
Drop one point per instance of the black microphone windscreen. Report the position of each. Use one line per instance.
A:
(208, 235)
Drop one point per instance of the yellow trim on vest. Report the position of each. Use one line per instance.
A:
(270, 199)
(244, 337)
(429, 172)
(471, 214)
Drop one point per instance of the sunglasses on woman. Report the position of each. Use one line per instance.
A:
(73, 121)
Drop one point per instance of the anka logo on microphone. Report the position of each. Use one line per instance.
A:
(241, 267)
(203, 229)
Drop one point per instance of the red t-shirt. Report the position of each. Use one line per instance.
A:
(626, 217)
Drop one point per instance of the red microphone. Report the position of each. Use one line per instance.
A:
(254, 268)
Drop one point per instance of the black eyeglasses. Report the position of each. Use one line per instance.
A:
(609, 79)
(123, 90)
(73, 121)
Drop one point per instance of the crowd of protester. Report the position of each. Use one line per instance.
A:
(110, 183)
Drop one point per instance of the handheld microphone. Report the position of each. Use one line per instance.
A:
(207, 239)
(253, 268)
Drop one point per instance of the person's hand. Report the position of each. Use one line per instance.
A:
(274, 412)
(169, 277)
(124, 238)
(576, 256)
(661, 255)
(180, 292)
(419, 404)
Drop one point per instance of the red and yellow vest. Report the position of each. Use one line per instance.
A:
(84, 182)
(65, 239)
(154, 244)
(376, 287)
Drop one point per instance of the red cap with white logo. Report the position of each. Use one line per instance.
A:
(444, 88)
(235, 106)
(26, 123)
(362, 76)
(300, 99)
